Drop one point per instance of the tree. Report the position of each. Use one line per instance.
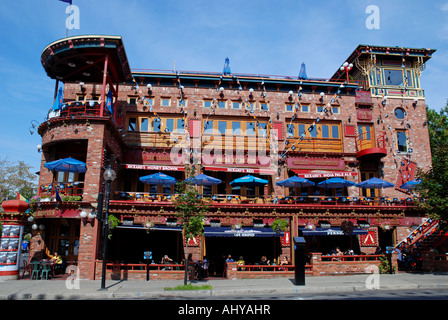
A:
(16, 177)
(190, 209)
(435, 181)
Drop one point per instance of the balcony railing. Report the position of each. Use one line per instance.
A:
(274, 200)
(66, 190)
(91, 108)
(366, 144)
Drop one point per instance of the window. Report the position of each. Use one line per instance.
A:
(236, 127)
(96, 97)
(221, 104)
(335, 109)
(320, 108)
(235, 105)
(80, 97)
(222, 127)
(250, 128)
(149, 102)
(305, 108)
(182, 103)
(156, 125)
(290, 130)
(393, 77)
(264, 106)
(132, 124)
(335, 132)
(169, 125)
(301, 129)
(401, 141)
(180, 125)
(165, 102)
(409, 81)
(207, 103)
(289, 107)
(364, 132)
(313, 131)
(325, 131)
(263, 129)
(144, 124)
(131, 100)
(400, 113)
(208, 126)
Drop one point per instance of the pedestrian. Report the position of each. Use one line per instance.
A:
(229, 258)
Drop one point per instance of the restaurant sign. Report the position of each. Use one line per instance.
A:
(315, 163)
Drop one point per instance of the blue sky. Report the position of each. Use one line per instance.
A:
(259, 37)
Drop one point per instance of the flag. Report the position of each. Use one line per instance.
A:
(58, 198)
(67, 1)
(20, 197)
(226, 69)
(58, 101)
(109, 102)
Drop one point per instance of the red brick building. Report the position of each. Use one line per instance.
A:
(228, 125)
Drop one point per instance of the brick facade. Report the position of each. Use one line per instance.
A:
(106, 140)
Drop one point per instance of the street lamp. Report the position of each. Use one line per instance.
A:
(109, 176)
(347, 67)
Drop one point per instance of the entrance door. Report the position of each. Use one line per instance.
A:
(365, 136)
(62, 236)
(369, 192)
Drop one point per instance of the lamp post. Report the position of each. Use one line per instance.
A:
(109, 176)
(346, 67)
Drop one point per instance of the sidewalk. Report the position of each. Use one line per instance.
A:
(59, 290)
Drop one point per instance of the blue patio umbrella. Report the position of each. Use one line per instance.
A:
(302, 74)
(158, 179)
(335, 183)
(374, 183)
(295, 182)
(249, 181)
(66, 165)
(203, 180)
(410, 184)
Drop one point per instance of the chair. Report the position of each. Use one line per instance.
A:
(26, 268)
(46, 269)
(36, 269)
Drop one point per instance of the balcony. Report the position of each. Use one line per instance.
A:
(89, 108)
(367, 147)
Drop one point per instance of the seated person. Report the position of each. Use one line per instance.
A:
(240, 263)
(56, 258)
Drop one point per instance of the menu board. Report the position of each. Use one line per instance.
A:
(10, 246)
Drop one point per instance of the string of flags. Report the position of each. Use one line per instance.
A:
(322, 115)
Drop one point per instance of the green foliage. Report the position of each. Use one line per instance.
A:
(113, 223)
(190, 207)
(189, 287)
(435, 181)
(279, 225)
(385, 266)
(16, 177)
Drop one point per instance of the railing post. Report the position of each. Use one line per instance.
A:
(316, 260)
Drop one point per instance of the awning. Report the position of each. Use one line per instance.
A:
(333, 231)
(242, 170)
(243, 232)
(155, 227)
(154, 167)
(323, 174)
